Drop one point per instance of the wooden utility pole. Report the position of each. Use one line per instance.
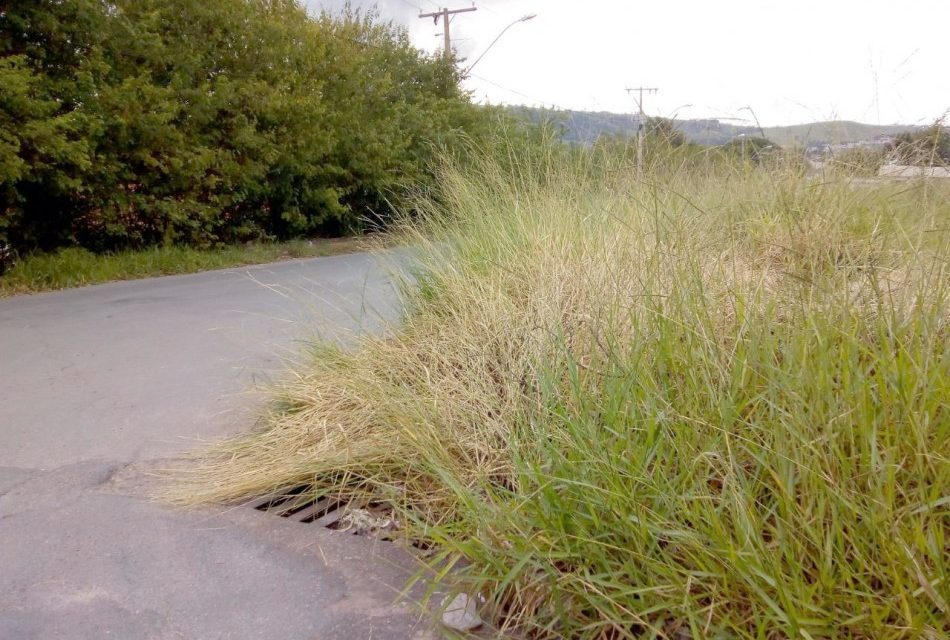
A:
(640, 127)
(446, 15)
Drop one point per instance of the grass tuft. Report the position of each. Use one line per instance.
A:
(711, 403)
(77, 267)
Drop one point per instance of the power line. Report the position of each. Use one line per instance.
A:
(488, 8)
(514, 91)
(411, 4)
(608, 121)
(417, 6)
(604, 118)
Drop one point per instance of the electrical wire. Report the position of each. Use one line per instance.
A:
(412, 4)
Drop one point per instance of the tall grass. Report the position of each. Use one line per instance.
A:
(711, 403)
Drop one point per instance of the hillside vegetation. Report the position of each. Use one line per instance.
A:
(711, 403)
(831, 132)
(586, 127)
(130, 123)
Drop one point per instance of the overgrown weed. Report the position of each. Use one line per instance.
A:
(709, 403)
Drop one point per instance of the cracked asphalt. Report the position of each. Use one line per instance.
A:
(102, 386)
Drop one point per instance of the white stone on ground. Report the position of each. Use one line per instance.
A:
(461, 613)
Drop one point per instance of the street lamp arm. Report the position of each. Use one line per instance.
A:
(497, 38)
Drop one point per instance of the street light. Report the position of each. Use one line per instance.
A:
(530, 16)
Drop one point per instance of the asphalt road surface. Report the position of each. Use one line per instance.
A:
(101, 386)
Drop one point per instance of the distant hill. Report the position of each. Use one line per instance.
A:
(834, 132)
(584, 127)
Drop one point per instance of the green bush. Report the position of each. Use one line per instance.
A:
(858, 162)
(133, 123)
(927, 147)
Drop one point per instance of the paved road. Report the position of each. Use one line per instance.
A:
(99, 386)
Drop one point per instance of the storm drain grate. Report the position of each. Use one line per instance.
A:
(298, 504)
(360, 516)
(356, 516)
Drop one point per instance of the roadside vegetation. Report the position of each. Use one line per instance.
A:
(132, 124)
(711, 403)
(929, 147)
(925, 147)
(77, 267)
(858, 163)
(705, 399)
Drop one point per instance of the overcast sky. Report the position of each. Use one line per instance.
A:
(875, 61)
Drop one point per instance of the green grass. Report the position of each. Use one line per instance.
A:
(75, 267)
(714, 403)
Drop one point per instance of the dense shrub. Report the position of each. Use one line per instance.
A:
(127, 123)
(927, 147)
(864, 162)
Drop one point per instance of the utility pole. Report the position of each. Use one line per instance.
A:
(446, 15)
(640, 127)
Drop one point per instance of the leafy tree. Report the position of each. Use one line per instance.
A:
(128, 123)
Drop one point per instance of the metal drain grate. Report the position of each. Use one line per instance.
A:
(359, 516)
(299, 505)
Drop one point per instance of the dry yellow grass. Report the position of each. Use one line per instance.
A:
(711, 403)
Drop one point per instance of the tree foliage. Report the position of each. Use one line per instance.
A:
(128, 123)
